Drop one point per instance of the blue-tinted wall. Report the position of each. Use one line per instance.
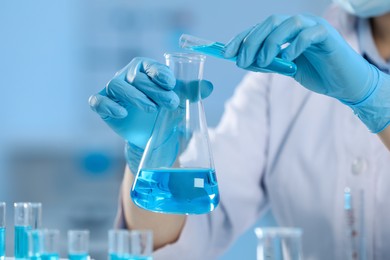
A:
(55, 54)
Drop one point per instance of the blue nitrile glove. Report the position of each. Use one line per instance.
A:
(131, 100)
(325, 63)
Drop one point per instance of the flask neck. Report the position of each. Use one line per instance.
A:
(185, 66)
(188, 71)
(188, 92)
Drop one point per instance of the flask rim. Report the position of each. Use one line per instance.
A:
(187, 56)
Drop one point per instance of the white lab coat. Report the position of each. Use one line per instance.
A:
(281, 146)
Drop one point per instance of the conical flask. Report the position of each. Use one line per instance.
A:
(176, 174)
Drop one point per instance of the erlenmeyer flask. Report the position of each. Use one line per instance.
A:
(176, 173)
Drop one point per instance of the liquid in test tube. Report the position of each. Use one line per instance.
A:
(2, 230)
(27, 216)
(216, 49)
(44, 244)
(78, 245)
(126, 244)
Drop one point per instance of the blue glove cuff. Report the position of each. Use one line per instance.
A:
(133, 155)
(374, 109)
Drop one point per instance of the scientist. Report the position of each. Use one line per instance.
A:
(279, 145)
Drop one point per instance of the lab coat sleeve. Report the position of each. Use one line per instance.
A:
(239, 145)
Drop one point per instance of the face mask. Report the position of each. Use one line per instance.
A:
(365, 8)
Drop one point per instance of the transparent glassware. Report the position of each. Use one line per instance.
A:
(43, 244)
(279, 243)
(126, 244)
(27, 216)
(2, 230)
(78, 245)
(169, 179)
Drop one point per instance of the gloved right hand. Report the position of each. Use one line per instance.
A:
(131, 100)
(325, 63)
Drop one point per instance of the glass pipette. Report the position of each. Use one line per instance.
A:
(216, 49)
(354, 213)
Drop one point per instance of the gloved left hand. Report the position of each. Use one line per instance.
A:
(326, 64)
(131, 100)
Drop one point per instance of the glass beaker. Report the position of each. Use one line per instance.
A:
(126, 244)
(44, 244)
(279, 243)
(27, 216)
(176, 174)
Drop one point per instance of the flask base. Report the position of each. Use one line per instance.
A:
(176, 191)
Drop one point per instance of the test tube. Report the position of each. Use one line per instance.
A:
(135, 244)
(275, 243)
(43, 244)
(355, 230)
(78, 245)
(217, 49)
(27, 216)
(36, 215)
(2, 230)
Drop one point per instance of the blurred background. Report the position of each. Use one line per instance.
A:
(55, 54)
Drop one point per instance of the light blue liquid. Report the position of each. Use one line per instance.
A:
(178, 191)
(113, 256)
(21, 242)
(78, 257)
(2, 243)
(278, 65)
(46, 256)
